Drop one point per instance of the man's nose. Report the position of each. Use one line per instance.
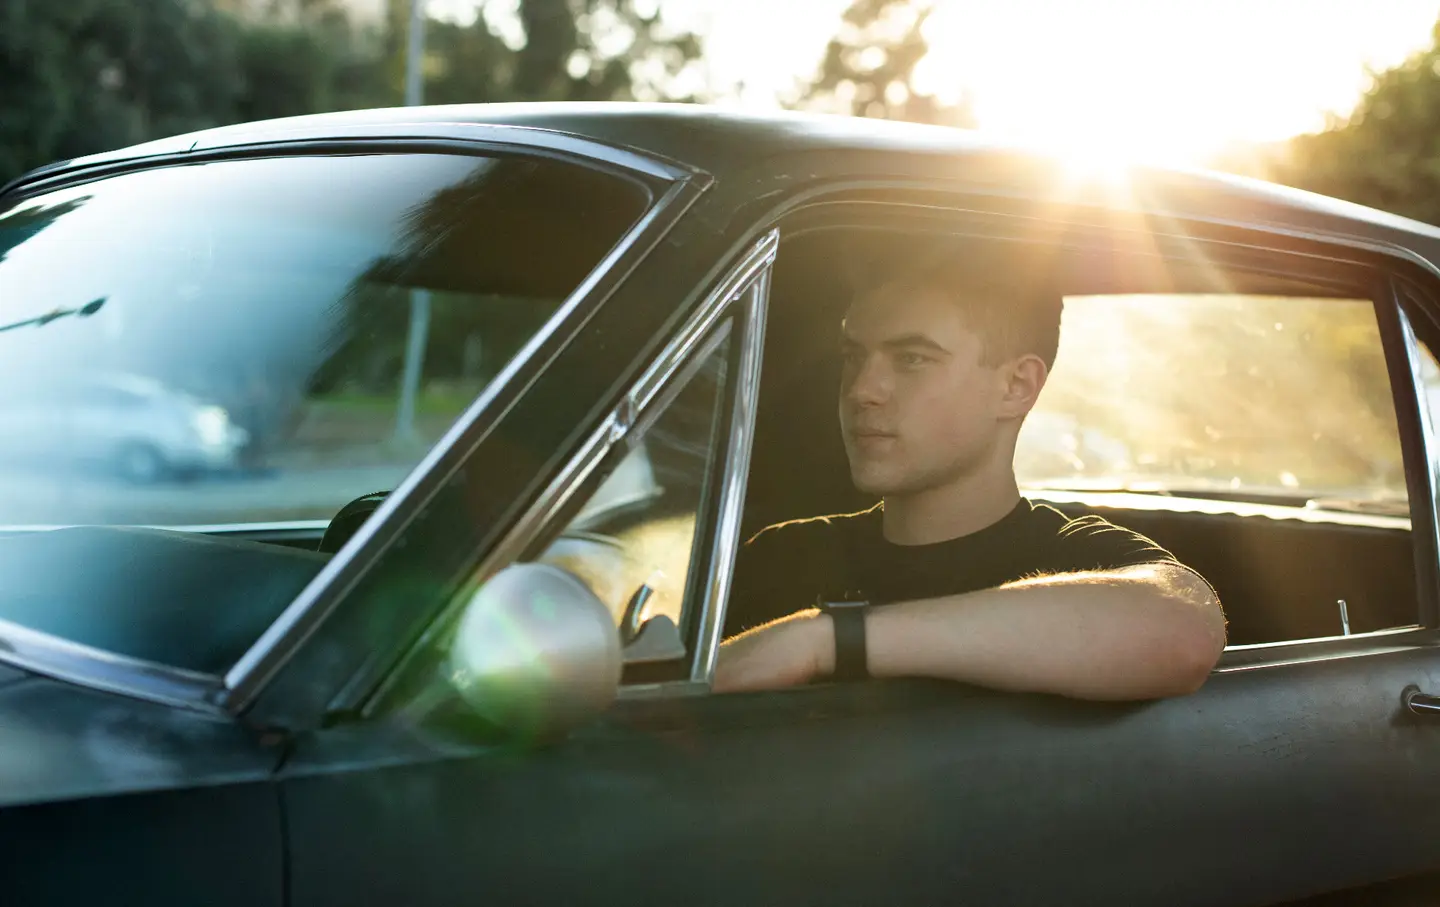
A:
(868, 383)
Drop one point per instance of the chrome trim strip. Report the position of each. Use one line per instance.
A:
(318, 599)
(1178, 502)
(1326, 648)
(737, 473)
(482, 136)
(675, 688)
(1431, 451)
(98, 669)
(760, 256)
(646, 398)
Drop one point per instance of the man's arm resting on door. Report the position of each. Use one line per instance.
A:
(1141, 632)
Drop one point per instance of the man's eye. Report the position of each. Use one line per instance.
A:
(911, 360)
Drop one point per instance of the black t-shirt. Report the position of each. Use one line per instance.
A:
(792, 566)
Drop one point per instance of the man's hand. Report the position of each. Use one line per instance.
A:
(784, 653)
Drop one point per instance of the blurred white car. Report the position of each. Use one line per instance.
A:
(127, 425)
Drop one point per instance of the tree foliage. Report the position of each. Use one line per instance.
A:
(571, 50)
(81, 76)
(1386, 153)
(86, 75)
(869, 68)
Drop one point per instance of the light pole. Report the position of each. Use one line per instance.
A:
(419, 299)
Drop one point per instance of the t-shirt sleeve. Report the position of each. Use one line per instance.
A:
(770, 576)
(1094, 543)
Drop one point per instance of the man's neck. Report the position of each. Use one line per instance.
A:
(950, 511)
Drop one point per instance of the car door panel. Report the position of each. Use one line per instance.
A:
(112, 800)
(903, 792)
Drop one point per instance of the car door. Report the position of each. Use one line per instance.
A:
(1296, 770)
(108, 798)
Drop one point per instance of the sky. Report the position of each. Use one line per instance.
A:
(1169, 80)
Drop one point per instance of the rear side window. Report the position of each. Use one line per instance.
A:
(1240, 396)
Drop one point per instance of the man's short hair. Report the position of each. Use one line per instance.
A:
(1014, 310)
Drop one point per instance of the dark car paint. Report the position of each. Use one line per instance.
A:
(105, 799)
(900, 792)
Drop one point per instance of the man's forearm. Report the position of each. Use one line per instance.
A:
(1139, 633)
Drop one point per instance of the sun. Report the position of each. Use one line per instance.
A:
(1171, 83)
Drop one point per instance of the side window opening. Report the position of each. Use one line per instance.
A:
(1243, 420)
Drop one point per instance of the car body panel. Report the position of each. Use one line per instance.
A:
(902, 792)
(102, 796)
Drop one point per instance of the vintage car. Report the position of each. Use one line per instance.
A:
(441, 655)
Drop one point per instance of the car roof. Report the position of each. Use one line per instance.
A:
(726, 142)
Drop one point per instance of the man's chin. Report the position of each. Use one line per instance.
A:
(874, 481)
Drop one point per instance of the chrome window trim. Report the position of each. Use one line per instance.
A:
(1414, 358)
(1324, 648)
(323, 594)
(97, 669)
(629, 418)
(373, 138)
(737, 473)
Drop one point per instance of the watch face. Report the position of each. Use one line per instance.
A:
(847, 599)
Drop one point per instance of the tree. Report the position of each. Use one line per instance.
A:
(1386, 153)
(870, 65)
(87, 75)
(569, 50)
(82, 76)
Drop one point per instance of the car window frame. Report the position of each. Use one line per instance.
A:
(735, 307)
(1235, 245)
(670, 190)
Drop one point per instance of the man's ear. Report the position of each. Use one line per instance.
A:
(1023, 378)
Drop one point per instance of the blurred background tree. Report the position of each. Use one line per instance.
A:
(84, 75)
(556, 50)
(870, 67)
(1386, 153)
(81, 76)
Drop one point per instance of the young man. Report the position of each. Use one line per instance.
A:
(960, 576)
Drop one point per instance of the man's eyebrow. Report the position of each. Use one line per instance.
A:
(912, 341)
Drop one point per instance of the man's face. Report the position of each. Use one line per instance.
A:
(917, 406)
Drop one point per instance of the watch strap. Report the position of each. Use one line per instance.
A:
(851, 657)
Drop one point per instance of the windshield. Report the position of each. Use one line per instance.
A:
(249, 341)
(1243, 397)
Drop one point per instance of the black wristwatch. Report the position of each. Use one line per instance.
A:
(851, 660)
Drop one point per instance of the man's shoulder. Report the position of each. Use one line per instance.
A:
(817, 527)
(1095, 542)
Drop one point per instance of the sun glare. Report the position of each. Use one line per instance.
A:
(1171, 82)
